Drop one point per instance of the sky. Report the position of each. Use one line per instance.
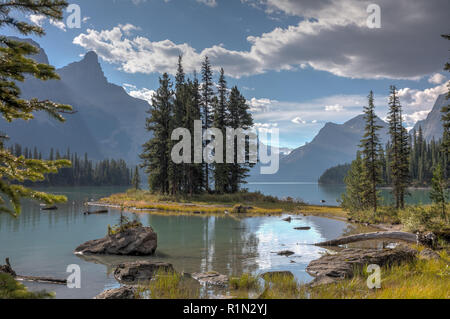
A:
(300, 64)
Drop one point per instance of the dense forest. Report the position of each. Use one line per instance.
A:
(422, 158)
(211, 105)
(83, 172)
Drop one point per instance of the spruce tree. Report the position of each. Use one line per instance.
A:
(220, 122)
(370, 145)
(16, 65)
(156, 153)
(438, 192)
(354, 199)
(399, 153)
(207, 98)
(136, 180)
(446, 121)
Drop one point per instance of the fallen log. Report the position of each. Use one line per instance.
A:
(395, 235)
(44, 280)
(101, 211)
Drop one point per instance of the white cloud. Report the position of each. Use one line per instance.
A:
(436, 78)
(209, 3)
(143, 94)
(59, 24)
(334, 108)
(298, 120)
(37, 19)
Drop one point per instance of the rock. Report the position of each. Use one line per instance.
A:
(286, 253)
(211, 278)
(270, 274)
(7, 269)
(343, 264)
(322, 280)
(302, 228)
(287, 219)
(49, 208)
(429, 254)
(125, 292)
(134, 272)
(139, 241)
(427, 239)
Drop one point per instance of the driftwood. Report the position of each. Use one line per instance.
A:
(47, 208)
(8, 269)
(101, 211)
(395, 235)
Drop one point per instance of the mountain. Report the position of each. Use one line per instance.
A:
(108, 122)
(432, 125)
(334, 144)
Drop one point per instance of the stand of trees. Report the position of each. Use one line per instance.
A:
(83, 172)
(180, 107)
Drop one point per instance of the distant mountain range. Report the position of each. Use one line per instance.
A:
(108, 122)
(335, 144)
(432, 125)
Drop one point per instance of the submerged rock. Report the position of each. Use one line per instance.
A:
(303, 228)
(139, 241)
(286, 253)
(271, 274)
(342, 265)
(211, 278)
(125, 292)
(134, 272)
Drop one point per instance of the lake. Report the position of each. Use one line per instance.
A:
(42, 243)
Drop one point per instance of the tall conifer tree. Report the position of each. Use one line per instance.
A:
(207, 98)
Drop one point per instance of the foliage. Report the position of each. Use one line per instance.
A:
(439, 193)
(16, 66)
(245, 282)
(136, 180)
(12, 289)
(354, 199)
(281, 286)
(168, 285)
(423, 218)
(335, 175)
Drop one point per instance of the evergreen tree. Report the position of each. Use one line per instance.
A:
(438, 192)
(399, 153)
(446, 121)
(370, 145)
(239, 117)
(207, 98)
(136, 180)
(15, 66)
(354, 199)
(220, 122)
(156, 154)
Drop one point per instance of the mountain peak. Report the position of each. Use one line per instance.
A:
(91, 56)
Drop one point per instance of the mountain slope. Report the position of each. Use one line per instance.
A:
(432, 125)
(107, 123)
(334, 144)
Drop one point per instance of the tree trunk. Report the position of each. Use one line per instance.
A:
(396, 235)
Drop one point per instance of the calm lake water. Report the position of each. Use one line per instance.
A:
(42, 243)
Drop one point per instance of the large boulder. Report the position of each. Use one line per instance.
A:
(342, 265)
(135, 272)
(124, 292)
(139, 241)
(211, 278)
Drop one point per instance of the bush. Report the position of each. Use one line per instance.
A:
(12, 289)
(422, 218)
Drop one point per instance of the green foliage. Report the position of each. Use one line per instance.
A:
(439, 193)
(423, 218)
(354, 199)
(335, 175)
(16, 66)
(244, 282)
(136, 180)
(12, 289)
(446, 121)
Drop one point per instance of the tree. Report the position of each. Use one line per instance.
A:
(354, 199)
(399, 153)
(207, 98)
(15, 66)
(438, 192)
(220, 122)
(446, 121)
(239, 117)
(136, 180)
(156, 155)
(370, 145)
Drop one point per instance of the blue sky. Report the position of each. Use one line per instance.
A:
(299, 63)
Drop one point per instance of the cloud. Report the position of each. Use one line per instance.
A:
(334, 108)
(209, 3)
(40, 19)
(143, 94)
(436, 78)
(298, 120)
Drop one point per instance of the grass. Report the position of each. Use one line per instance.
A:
(420, 279)
(12, 289)
(281, 286)
(168, 285)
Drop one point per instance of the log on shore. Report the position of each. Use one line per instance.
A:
(394, 235)
(42, 280)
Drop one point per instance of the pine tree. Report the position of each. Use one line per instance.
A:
(438, 192)
(15, 66)
(207, 98)
(370, 145)
(239, 117)
(136, 180)
(220, 122)
(156, 153)
(354, 199)
(446, 121)
(399, 154)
